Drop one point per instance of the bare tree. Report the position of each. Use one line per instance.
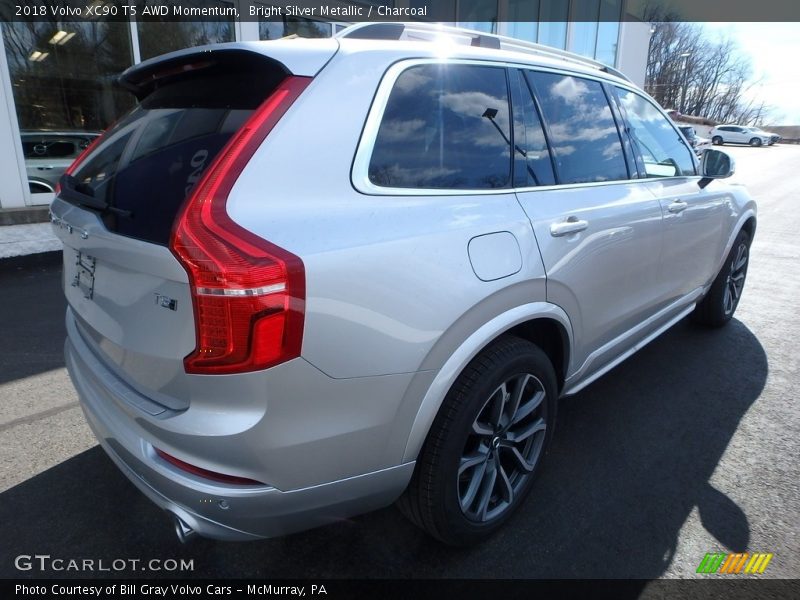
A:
(690, 73)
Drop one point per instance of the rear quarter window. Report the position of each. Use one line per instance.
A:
(445, 127)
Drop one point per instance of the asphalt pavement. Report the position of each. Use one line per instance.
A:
(691, 446)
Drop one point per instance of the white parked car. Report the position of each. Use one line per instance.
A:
(773, 137)
(738, 134)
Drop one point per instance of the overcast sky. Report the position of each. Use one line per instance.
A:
(774, 49)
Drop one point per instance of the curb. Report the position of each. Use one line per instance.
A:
(24, 215)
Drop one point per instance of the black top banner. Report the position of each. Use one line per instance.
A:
(400, 10)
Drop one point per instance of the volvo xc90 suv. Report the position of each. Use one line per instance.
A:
(736, 134)
(309, 278)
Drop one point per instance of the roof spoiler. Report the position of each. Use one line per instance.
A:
(142, 79)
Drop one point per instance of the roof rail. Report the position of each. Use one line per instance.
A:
(431, 31)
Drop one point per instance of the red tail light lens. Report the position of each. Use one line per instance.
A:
(248, 294)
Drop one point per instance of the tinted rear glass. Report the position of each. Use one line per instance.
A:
(445, 127)
(150, 161)
(583, 134)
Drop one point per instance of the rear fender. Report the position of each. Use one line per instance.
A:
(459, 359)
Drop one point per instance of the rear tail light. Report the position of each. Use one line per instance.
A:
(248, 294)
(205, 473)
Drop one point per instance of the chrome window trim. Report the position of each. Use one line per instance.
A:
(359, 174)
(565, 186)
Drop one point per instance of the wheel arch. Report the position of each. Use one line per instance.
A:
(541, 323)
(749, 226)
(746, 222)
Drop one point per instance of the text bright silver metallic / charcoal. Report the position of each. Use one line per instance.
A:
(382, 263)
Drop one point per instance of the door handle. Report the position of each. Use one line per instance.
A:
(678, 206)
(47, 168)
(571, 225)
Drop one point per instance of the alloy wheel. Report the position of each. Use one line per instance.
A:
(735, 281)
(503, 447)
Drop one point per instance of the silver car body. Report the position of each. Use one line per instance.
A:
(404, 288)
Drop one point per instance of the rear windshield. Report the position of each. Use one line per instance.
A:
(150, 160)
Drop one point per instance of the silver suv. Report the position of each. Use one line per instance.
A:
(308, 278)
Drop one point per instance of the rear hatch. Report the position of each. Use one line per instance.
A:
(117, 206)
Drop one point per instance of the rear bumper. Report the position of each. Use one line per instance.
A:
(214, 510)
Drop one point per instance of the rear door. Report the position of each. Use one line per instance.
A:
(115, 212)
(739, 135)
(598, 230)
(694, 218)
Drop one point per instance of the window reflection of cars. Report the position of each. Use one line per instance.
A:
(699, 144)
(49, 153)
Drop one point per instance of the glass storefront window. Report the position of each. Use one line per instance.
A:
(62, 76)
(608, 31)
(525, 25)
(553, 25)
(480, 15)
(275, 29)
(62, 73)
(583, 37)
(156, 37)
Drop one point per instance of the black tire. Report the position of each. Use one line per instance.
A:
(755, 142)
(716, 140)
(719, 304)
(438, 490)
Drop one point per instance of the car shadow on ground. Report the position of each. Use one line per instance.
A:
(631, 459)
(32, 321)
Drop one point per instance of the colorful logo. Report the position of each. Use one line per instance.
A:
(733, 564)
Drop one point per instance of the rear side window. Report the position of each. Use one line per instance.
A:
(583, 134)
(149, 162)
(661, 147)
(532, 164)
(445, 127)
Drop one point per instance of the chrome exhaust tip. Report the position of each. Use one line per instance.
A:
(182, 530)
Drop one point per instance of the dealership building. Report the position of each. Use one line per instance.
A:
(57, 78)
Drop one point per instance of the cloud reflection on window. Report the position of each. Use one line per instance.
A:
(583, 133)
(445, 126)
